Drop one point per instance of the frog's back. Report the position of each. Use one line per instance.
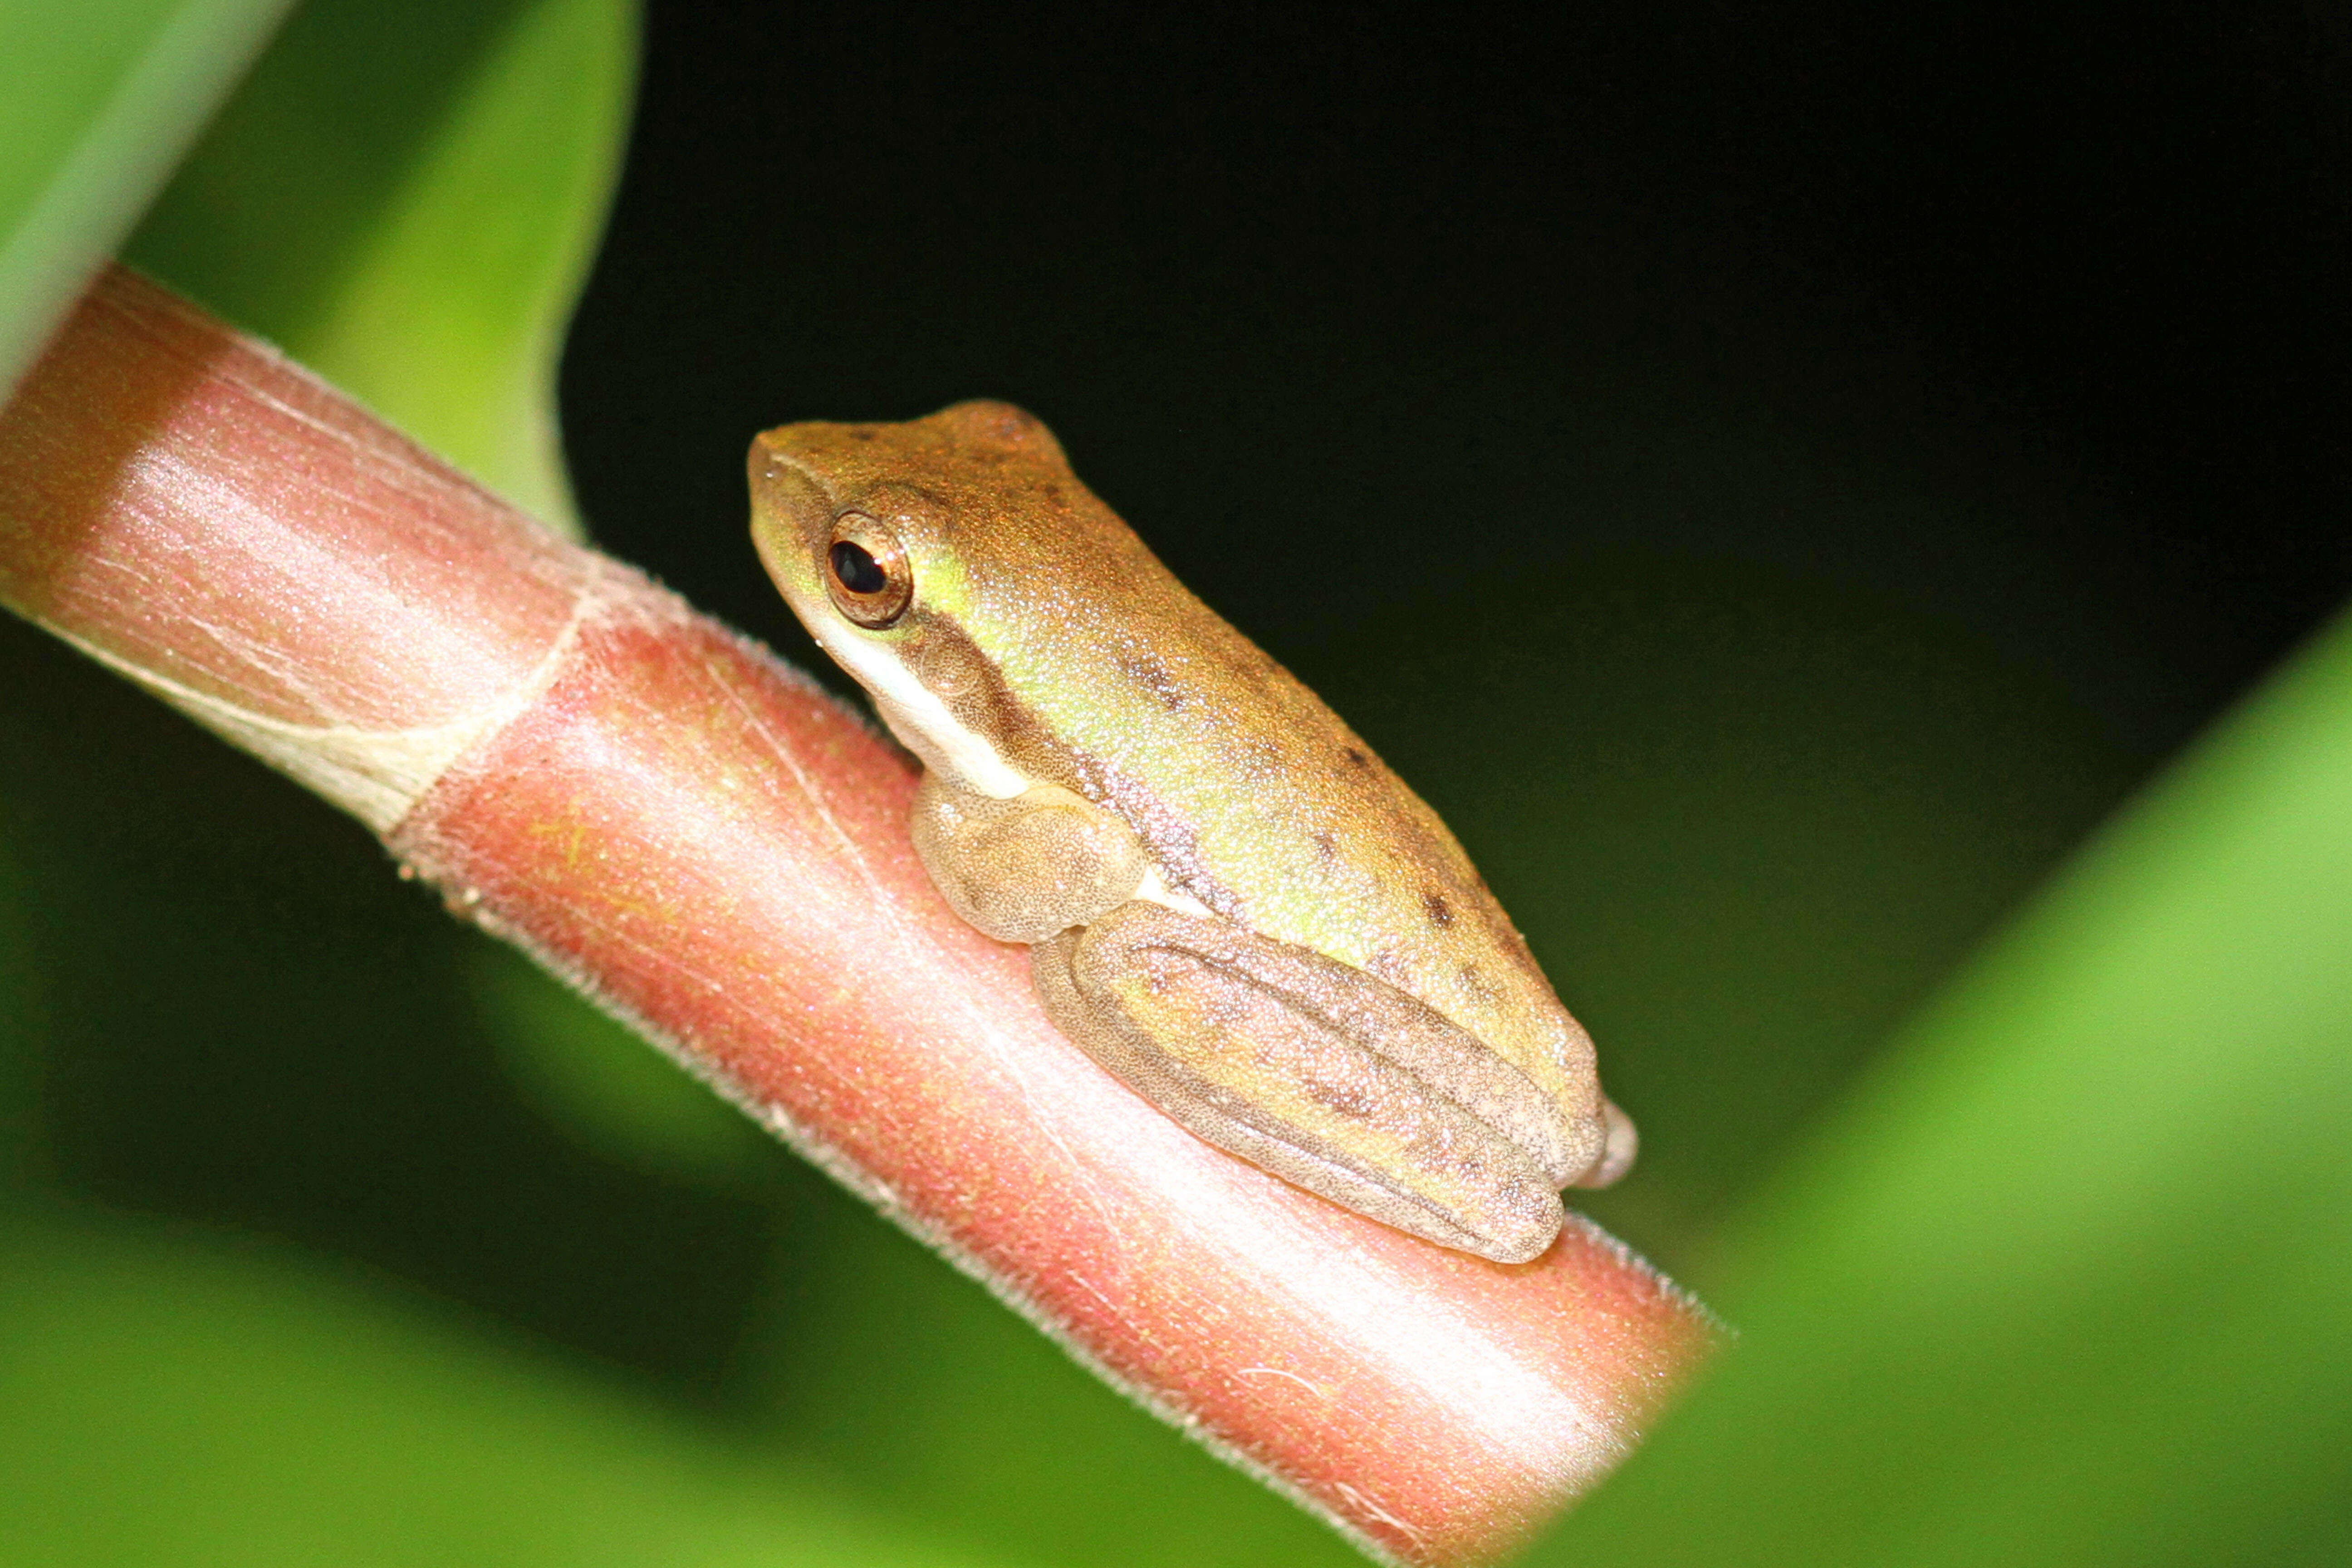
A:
(1257, 800)
(1252, 796)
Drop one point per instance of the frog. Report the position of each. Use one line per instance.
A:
(1230, 903)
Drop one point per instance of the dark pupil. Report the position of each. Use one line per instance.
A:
(859, 572)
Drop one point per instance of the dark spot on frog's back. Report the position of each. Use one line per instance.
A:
(1355, 757)
(1151, 675)
(1327, 848)
(1347, 1099)
(861, 433)
(1441, 913)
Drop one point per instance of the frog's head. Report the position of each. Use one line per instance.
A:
(878, 527)
(937, 560)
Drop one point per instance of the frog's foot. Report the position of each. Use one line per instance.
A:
(1317, 1071)
(1024, 868)
(1620, 1143)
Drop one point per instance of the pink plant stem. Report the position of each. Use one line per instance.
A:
(701, 839)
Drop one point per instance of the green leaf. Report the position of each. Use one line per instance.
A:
(98, 98)
(406, 197)
(596, 1078)
(177, 1403)
(2071, 1283)
(23, 1021)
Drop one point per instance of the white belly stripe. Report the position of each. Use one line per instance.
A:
(921, 721)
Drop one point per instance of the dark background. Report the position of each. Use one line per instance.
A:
(1775, 479)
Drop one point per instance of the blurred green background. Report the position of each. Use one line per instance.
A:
(1776, 482)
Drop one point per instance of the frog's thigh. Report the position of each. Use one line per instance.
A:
(1171, 1005)
(1023, 868)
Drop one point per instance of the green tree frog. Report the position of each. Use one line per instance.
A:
(1230, 903)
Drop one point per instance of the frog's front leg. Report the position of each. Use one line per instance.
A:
(1314, 1070)
(1025, 868)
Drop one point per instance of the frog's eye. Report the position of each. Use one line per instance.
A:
(866, 570)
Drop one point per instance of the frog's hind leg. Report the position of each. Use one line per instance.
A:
(1262, 1049)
